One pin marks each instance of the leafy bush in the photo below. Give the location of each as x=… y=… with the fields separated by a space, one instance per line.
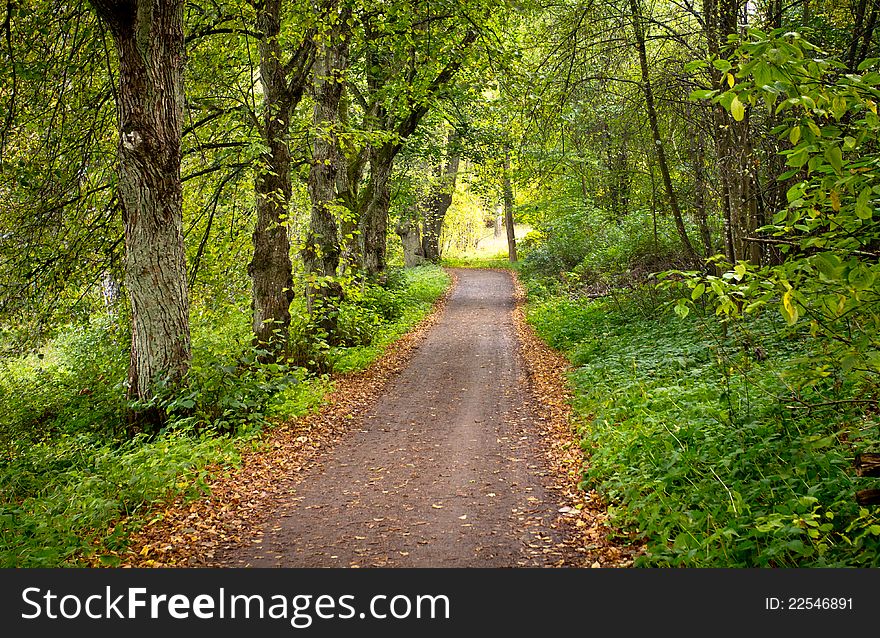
x=73 y=384
x=829 y=231
x=688 y=440
x=579 y=248
x=408 y=296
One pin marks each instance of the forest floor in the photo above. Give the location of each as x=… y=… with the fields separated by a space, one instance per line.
x=453 y=450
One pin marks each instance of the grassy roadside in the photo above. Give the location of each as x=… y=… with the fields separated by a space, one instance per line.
x=66 y=470
x=496 y=261
x=687 y=439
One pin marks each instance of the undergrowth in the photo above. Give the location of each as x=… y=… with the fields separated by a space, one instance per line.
x=69 y=466
x=704 y=444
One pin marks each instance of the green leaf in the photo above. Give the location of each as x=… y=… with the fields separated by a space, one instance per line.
x=861 y=277
x=838 y=107
x=863 y=204
x=835 y=158
x=698 y=291
x=795 y=192
x=702 y=94
x=795 y=134
x=798 y=158
x=828 y=265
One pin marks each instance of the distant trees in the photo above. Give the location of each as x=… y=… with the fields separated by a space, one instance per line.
x=611 y=111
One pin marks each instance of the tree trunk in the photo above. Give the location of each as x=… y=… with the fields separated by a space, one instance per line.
x=322 y=249
x=348 y=182
x=440 y=200
x=374 y=218
x=858 y=32
x=411 y=239
x=149 y=40
x=700 y=189
x=508 y=208
x=271 y=269
x=715 y=24
x=655 y=131
x=868 y=35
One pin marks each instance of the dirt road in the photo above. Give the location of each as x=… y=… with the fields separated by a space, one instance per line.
x=444 y=471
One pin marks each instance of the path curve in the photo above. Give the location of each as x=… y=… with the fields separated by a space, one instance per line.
x=445 y=470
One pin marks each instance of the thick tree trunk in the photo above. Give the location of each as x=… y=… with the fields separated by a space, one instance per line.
x=271 y=268
x=508 y=208
x=440 y=200
x=150 y=43
x=374 y=217
x=655 y=131
x=411 y=239
x=322 y=249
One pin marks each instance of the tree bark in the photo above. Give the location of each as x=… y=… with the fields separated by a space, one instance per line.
x=700 y=189
x=270 y=268
x=411 y=239
x=149 y=40
x=655 y=131
x=374 y=217
x=322 y=248
x=440 y=200
x=508 y=208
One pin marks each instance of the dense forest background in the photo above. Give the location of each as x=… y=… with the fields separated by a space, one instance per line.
x=209 y=207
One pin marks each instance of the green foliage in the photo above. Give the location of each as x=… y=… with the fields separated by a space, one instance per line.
x=72 y=384
x=481 y=262
x=69 y=469
x=577 y=245
x=829 y=231
x=688 y=439
x=382 y=314
x=61 y=497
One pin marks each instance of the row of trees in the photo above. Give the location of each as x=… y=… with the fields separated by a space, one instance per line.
x=620 y=113
x=157 y=147
x=309 y=101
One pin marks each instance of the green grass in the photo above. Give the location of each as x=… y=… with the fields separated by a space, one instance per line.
x=690 y=438
x=500 y=261
x=410 y=301
x=68 y=469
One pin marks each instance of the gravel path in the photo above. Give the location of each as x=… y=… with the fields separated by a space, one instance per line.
x=444 y=471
